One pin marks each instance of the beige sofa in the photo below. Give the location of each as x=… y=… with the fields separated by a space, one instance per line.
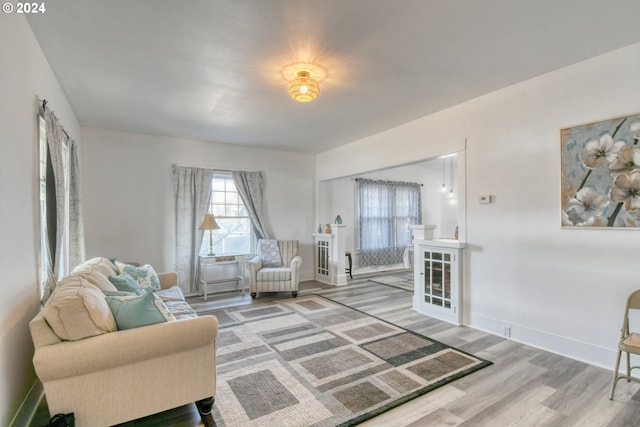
x=111 y=376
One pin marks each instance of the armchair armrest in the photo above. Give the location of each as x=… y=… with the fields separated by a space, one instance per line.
x=296 y=262
x=73 y=358
x=254 y=264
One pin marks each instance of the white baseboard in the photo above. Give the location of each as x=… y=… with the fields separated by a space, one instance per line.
x=575 y=349
x=29 y=406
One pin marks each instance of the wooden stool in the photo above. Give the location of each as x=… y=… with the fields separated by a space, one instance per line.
x=348 y=269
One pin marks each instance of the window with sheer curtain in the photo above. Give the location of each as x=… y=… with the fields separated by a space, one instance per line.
x=385 y=210
x=236 y=232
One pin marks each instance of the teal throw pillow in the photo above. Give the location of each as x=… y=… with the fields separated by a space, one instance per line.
x=145 y=275
x=125 y=282
x=119 y=294
x=270 y=253
x=139 y=310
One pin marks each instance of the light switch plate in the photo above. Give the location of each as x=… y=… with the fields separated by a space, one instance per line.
x=484 y=200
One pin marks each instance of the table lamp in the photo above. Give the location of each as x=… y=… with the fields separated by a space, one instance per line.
x=209 y=223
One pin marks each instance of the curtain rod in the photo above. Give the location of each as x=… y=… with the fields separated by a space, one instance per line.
x=386 y=180
x=213 y=168
x=44 y=106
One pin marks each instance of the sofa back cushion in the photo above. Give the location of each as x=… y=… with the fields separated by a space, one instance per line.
x=97 y=271
x=77 y=309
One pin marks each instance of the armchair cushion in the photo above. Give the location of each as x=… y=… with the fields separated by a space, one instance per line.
x=274 y=274
x=270 y=253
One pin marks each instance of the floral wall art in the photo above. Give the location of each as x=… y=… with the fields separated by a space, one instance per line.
x=601 y=173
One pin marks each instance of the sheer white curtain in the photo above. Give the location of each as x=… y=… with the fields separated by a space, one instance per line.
x=384 y=212
x=65 y=232
x=192 y=189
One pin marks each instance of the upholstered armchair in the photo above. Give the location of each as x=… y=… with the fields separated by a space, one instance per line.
x=276 y=268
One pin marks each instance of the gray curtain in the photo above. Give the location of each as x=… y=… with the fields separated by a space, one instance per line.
x=65 y=167
x=192 y=189
x=384 y=212
x=250 y=186
x=77 y=253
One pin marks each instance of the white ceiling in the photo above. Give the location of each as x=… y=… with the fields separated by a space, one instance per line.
x=213 y=69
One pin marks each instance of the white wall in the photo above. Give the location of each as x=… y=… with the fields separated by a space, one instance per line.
x=24 y=75
x=128 y=192
x=563 y=290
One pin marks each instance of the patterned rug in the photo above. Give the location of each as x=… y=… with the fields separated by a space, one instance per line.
x=311 y=361
x=402 y=280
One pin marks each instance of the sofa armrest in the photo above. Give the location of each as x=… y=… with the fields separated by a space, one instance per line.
x=167 y=280
x=102 y=352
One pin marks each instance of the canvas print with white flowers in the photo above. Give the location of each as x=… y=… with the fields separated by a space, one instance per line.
x=601 y=173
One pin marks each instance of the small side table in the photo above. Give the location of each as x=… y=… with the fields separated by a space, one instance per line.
x=218 y=269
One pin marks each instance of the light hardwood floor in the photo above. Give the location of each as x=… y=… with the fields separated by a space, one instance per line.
x=524 y=386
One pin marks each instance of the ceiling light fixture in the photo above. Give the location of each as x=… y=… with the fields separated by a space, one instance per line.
x=304 y=88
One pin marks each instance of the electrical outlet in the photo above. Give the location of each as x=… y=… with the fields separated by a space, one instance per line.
x=506 y=331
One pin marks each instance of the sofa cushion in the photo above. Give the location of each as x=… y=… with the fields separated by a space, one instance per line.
x=100 y=264
x=145 y=275
x=124 y=282
x=173 y=293
x=139 y=310
x=96 y=271
x=78 y=310
x=270 y=253
x=180 y=309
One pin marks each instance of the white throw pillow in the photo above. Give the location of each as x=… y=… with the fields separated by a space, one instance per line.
x=270 y=253
x=78 y=310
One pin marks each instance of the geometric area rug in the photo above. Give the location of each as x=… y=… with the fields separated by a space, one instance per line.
x=403 y=280
x=312 y=361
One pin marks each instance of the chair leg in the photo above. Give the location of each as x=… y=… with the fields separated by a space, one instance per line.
x=615 y=375
x=628 y=367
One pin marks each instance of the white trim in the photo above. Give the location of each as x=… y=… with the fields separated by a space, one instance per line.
x=596 y=355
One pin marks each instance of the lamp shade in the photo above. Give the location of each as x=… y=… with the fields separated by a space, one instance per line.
x=209 y=223
x=304 y=88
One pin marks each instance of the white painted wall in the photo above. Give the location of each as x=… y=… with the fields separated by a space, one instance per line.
x=128 y=192
x=24 y=75
x=562 y=290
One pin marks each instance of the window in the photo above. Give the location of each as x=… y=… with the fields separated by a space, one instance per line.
x=384 y=212
x=236 y=232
